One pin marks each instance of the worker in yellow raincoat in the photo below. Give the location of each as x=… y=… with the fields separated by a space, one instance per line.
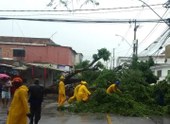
x=83 y=93
x=61 y=92
x=113 y=88
x=74 y=97
x=19 y=108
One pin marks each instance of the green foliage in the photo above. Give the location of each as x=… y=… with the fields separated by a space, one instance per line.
x=102 y=80
x=82 y=64
x=104 y=54
x=144 y=67
x=95 y=56
x=99 y=65
x=134 y=64
x=168 y=78
x=121 y=104
x=90 y=76
x=138 y=97
x=150 y=61
x=133 y=77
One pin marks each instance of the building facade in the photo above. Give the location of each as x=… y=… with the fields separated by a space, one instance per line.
x=37 y=53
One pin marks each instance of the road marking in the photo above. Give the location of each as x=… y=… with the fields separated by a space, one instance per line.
x=109 y=121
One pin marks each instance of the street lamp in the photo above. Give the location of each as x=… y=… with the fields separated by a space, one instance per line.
x=123 y=39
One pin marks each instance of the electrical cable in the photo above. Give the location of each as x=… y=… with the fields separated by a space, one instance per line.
x=137 y=16
x=74 y=10
x=88 y=20
x=153 y=11
x=163 y=41
x=78 y=10
x=152 y=30
x=19 y=28
x=75 y=13
x=153 y=45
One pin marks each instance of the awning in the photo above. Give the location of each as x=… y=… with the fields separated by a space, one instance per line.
x=48 y=66
x=23 y=67
x=6 y=65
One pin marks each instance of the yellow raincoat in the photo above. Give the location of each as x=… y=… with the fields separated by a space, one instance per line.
x=61 y=93
x=112 y=88
x=71 y=99
x=19 y=107
x=83 y=93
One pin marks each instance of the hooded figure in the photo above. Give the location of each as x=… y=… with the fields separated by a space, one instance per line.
x=61 y=92
x=19 y=108
x=113 y=88
x=83 y=93
x=13 y=88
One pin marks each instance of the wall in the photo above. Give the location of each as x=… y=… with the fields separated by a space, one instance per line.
x=46 y=54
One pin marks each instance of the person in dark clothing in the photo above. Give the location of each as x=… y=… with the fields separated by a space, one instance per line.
x=36 y=93
x=160 y=96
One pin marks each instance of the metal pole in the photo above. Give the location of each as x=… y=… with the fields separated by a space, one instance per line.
x=113 y=58
x=135 y=41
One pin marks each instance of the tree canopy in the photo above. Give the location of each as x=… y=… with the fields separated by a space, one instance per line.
x=138 y=97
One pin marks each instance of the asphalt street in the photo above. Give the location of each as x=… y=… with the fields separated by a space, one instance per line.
x=50 y=115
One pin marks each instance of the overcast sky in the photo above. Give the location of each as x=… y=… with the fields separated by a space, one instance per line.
x=86 y=38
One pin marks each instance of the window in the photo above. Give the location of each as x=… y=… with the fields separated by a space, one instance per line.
x=18 y=52
x=168 y=73
x=159 y=73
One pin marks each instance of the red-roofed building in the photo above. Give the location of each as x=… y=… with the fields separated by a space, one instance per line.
x=37 y=52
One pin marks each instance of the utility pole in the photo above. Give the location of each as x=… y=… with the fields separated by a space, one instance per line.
x=135 y=41
x=114 y=58
x=167 y=4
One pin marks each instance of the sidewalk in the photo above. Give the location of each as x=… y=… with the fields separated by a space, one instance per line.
x=3 y=115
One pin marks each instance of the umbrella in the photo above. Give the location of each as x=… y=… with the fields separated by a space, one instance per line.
x=3 y=76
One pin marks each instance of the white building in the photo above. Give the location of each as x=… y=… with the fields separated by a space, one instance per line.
x=159 y=51
x=78 y=58
x=161 y=70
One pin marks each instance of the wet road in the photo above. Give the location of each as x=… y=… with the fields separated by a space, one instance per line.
x=66 y=118
x=50 y=115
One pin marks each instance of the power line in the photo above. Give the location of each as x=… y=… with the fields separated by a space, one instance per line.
x=158 y=44
x=90 y=20
x=153 y=11
x=76 y=13
x=78 y=10
x=153 y=29
x=19 y=28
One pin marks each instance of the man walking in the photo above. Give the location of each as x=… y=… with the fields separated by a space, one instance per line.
x=36 y=93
